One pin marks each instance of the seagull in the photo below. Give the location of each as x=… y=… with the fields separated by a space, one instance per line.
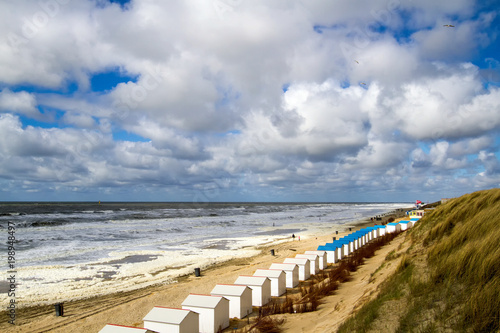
x=363 y=83
x=449 y=26
x=357 y=62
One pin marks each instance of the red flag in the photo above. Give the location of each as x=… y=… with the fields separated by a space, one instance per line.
x=418 y=202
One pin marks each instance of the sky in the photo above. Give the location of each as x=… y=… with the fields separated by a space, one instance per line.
x=248 y=100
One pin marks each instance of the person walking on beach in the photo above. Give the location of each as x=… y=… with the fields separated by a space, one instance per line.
x=293 y=236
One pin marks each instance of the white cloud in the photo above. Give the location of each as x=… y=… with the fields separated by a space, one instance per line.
x=21 y=102
x=456 y=44
x=209 y=95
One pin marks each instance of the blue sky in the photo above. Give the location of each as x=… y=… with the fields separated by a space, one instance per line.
x=238 y=100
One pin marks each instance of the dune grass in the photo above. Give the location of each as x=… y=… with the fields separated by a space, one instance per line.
x=456 y=287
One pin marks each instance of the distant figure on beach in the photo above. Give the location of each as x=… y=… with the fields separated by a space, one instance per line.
x=293 y=236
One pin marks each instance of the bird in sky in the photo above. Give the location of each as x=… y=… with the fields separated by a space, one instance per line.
x=449 y=26
x=363 y=83
x=357 y=62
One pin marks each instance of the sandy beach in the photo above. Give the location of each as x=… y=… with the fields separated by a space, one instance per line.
x=129 y=308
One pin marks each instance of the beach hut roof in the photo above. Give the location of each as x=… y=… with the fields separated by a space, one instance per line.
x=333 y=246
x=251 y=280
x=392 y=223
x=166 y=315
x=274 y=273
x=340 y=241
x=112 y=328
x=202 y=301
x=298 y=261
x=318 y=252
x=229 y=289
x=310 y=256
x=349 y=237
x=283 y=266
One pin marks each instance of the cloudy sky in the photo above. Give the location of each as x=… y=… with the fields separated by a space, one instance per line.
x=248 y=100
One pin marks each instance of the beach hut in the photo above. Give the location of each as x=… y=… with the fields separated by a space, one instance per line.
x=404 y=225
x=414 y=220
x=291 y=272
x=345 y=247
x=380 y=230
x=278 y=280
x=322 y=258
x=392 y=227
x=110 y=328
x=330 y=253
x=304 y=267
x=351 y=242
x=341 y=248
x=373 y=232
x=168 y=320
x=313 y=260
x=240 y=298
x=213 y=310
x=261 y=288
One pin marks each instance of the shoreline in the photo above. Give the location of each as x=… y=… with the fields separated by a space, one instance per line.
x=129 y=307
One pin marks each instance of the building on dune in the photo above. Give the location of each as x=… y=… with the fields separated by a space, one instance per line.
x=213 y=310
x=239 y=296
x=169 y=320
x=261 y=288
x=291 y=272
x=278 y=280
x=112 y=328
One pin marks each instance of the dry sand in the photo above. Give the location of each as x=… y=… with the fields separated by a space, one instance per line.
x=90 y=315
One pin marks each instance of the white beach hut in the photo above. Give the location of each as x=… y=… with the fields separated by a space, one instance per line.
x=291 y=271
x=168 y=320
x=313 y=261
x=333 y=252
x=380 y=230
x=111 y=328
x=261 y=288
x=404 y=225
x=392 y=227
x=352 y=245
x=344 y=252
x=239 y=296
x=332 y=256
x=278 y=280
x=322 y=258
x=213 y=310
x=304 y=267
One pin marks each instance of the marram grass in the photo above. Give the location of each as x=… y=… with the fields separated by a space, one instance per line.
x=457 y=288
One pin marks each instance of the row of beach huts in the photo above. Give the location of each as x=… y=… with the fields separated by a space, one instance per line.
x=211 y=313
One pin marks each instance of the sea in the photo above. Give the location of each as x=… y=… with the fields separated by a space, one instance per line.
x=73 y=250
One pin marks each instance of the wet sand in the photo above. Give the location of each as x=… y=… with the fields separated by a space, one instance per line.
x=129 y=308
